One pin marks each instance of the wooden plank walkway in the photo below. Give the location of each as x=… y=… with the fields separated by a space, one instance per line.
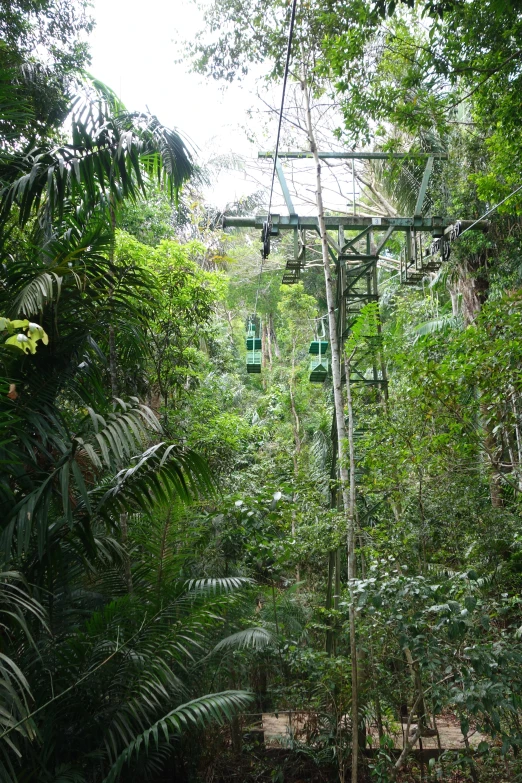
x=280 y=727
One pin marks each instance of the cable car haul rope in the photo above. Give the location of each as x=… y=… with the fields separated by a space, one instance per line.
x=254 y=356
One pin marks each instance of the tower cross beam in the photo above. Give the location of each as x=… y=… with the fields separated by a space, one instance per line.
x=351 y=222
x=349 y=155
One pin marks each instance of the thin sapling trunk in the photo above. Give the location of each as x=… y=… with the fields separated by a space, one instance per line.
x=348 y=506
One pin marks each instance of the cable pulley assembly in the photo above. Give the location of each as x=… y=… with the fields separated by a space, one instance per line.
x=265 y=239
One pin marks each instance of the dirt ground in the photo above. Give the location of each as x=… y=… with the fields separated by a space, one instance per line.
x=280 y=727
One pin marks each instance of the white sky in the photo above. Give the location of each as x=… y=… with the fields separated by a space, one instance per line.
x=134 y=48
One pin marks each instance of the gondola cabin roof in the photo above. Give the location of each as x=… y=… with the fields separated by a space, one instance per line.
x=253 y=343
x=318 y=347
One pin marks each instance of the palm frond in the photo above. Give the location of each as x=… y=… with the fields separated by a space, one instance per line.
x=441 y=324
x=199 y=713
x=106 y=160
x=257 y=638
x=55 y=464
x=43 y=289
x=164 y=155
x=215 y=585
x=161 y=472
x=116 y=437
x=16 y=605
x=399 y=182
x=68 y=774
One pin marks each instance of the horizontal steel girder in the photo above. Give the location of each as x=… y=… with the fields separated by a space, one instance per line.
x=351 y=223
x=358 y=155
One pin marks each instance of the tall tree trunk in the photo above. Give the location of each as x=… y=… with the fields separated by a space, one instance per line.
x=454 y=296
x=329 y=600
x=333 y=586
x=493 y=457
x=352 y=567
x=297 y=447
x=518 y=439
x=338 y=405
x=474 y=287
x=273 y=336
x=351 y=455
x=231 y=327
x=268 y=344
x=263 y=347
x=472 y=296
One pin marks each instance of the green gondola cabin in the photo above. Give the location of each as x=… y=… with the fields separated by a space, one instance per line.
x=319 y=362
x=253 y=346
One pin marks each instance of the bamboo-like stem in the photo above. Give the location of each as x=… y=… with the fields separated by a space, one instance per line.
x=124 y=518
x=333 y=587
x=350 y=544
x=518 y=438
x=113 y=362
x=297 y=446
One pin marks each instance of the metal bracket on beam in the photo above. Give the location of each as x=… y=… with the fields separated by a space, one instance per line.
x=351 y=242
x=424 y=186
x=284 y=187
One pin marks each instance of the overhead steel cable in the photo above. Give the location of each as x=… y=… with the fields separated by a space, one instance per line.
x=285 y=79
x=267 y=226
x=490 y=211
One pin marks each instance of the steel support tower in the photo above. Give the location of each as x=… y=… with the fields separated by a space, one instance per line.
x=426 y=245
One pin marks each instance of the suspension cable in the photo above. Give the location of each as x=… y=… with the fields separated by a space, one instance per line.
x=490 y=210
x=285 y=79
x=266 y=228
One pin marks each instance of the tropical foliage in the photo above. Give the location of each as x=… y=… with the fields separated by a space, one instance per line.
x=173 y=555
